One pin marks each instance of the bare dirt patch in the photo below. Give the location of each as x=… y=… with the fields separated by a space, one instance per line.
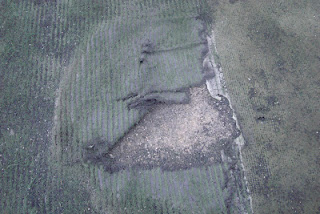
x=178 y=136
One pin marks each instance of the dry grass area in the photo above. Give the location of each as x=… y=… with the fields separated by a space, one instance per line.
x=269 y=52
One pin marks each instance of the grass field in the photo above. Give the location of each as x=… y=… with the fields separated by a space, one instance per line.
x=269 y=52
x=58 y=96
x=54 y=58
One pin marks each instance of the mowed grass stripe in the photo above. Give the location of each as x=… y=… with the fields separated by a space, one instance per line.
x=69 y=106
x=85 y=95
x=94 y=87
x=211 y=190
x=90 y=99
x=121 y=84
x=74 y=109
x=112 y=72
x=117 y=83
x=81 y=92
x=32 y=56
x=68 y=37
x=105 y=77
x=220 y=177
x=173 y=189
x=109 y=191
x=202 y=190
x=106 y=72
x=61 y=16
x=214 y=182
x=66 y=131
x=103 y=189
x=128 y=67
x=182 y=184
x=160 y=191
x=171 y=196
x=100 y=89
x=67 y=33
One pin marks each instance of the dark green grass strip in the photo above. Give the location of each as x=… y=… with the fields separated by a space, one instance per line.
x=219 y=177
x=216 y=191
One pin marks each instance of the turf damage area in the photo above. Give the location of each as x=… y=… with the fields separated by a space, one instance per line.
x=175 y=137
x=142 y=63
x=76 y=76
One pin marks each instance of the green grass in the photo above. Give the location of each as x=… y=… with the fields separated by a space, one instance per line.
x=271 y=47
x=45 y=46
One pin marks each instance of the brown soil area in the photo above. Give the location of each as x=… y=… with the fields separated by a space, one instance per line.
x=178 y=136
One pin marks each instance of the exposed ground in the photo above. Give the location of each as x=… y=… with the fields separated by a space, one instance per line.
x=175 y=137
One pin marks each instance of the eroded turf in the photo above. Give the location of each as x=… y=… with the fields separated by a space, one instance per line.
x=176 y=137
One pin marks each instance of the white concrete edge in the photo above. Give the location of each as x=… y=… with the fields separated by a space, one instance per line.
x=216 y=86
